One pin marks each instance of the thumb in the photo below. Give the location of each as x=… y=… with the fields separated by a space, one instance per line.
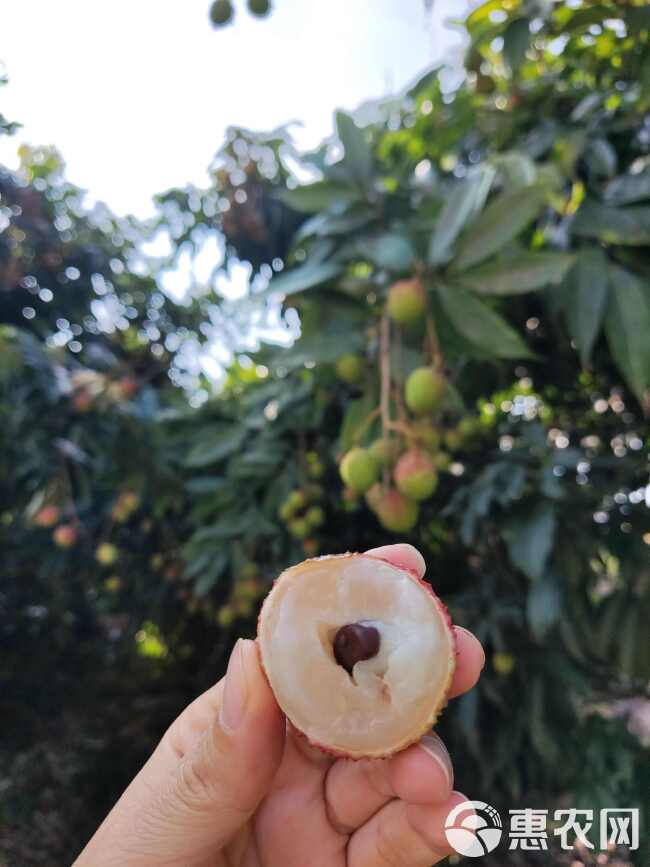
x=206 y=778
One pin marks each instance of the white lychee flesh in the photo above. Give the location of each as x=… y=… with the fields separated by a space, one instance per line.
x=388 y=701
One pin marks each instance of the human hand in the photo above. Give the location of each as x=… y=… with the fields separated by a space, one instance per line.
x=231 y=785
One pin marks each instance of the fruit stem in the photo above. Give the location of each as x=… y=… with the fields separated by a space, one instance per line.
x=384 y=358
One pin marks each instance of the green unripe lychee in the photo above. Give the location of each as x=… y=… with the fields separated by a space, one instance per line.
x=396 y=512
x=221 y=12
x=299 y=528
x=424 y=389
x=453 y=439
x=226 y=616
x=286 y=511
x=503 y=663
x=385 y=451
x=350 y=368
x=259 y=7
x=315 y=516
x=297 y=500
x=415 y=475
x=427 y=435
x=407 y=302
x=106 y=554
x=359 y=470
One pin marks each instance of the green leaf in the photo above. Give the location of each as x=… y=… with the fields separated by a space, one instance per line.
x=463 y=203
x=627 y=325
x=516 y=39
x=522 y=273
x=392 y=251
x=587 y=287
x=505 y=217
x=358 y=155
x=530 y=539
x=543 y=606
x=480 y=325
x=322 y=348
x=628 y=188
x=223 y=442
x=313 y=198
x=299 y=279
x=625 y=226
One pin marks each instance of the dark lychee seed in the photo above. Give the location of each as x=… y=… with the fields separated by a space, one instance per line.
x=355 y=642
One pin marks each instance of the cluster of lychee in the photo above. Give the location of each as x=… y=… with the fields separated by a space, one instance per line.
x=303 y=515
x=124 y=506
x=64 y=534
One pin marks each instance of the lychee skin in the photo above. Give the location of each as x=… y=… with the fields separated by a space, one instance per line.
x=415 y=475
x=438 y=703
x=359 y=470
x=350 y=368
x=424 y=390
x=397 y=512
x=407 y=302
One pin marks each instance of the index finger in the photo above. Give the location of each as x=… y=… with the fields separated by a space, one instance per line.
x=470 y=657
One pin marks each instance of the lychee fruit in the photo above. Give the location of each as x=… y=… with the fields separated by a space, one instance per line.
x=315 y=516
x=415 y=475
x=397 y=512
x=226 y=616
x=374 y=496
x=442 y=461
x=407 y=302
x=350 y=368
x=221 y=12
x=260 y=8
x=65 y=536
x=385 y=451
x=424 y=389
x=106 y=554
x=427 y=435
x=47 y=516
x=359 y=470
x=503 y=663
x=299 y=528
x=359 y=653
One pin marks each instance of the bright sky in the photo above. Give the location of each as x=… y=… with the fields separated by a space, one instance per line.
x=137 y=94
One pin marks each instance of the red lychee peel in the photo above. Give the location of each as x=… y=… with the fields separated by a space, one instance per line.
x=444 y=696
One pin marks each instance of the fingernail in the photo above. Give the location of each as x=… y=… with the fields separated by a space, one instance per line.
x=235 y=694
x=475 y=640
x=434 y=747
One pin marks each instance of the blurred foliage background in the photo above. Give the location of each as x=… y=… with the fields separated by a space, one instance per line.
x=495 y=239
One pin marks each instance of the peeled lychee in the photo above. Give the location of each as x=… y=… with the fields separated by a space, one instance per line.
x=349 y=368
x=359 y=470
x=415 y=475
x=397 y=512
x=424 y=389
x=407 y=302
x=359 y=653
